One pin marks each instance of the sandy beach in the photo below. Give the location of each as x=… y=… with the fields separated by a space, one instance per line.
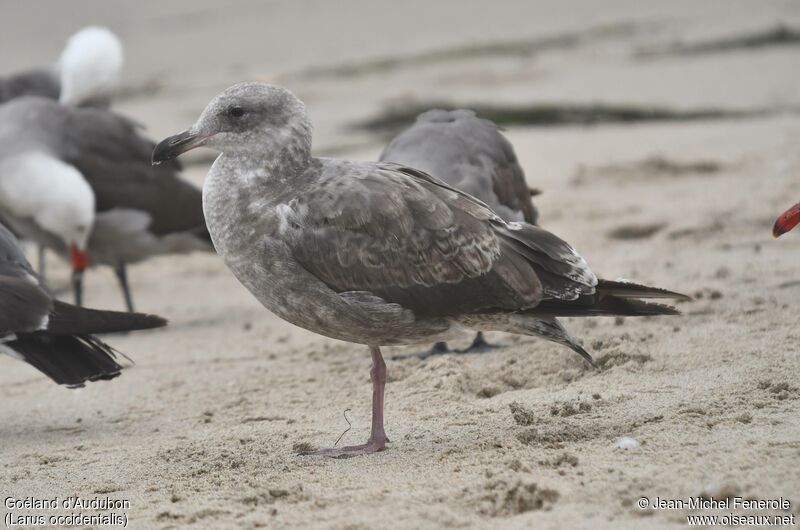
x=665 y=138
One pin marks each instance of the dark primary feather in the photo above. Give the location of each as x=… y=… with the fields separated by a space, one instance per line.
x=70 y=360
x=73 y=320
x=602 y=306
x=612 y=299
x=416 y=241
x=626 y=289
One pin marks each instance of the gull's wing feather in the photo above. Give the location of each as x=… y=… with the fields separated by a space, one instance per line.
x=413 y=240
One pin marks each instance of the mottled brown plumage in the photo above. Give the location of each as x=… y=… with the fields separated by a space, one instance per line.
x=470 y=154
x=449 y=253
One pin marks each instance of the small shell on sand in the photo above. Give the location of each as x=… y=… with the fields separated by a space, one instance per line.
x=626 y=442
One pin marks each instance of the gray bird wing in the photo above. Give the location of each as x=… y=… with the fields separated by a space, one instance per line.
x=43 y=83
x=24 y=301
x=413 y=240
x=114 y=158
x=470 y=154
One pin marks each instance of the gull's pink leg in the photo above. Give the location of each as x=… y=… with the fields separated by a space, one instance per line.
x=377 y=438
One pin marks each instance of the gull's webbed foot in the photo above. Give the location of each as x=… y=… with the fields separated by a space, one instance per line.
x=373 y=445
x=440 y=348
x=479 y=345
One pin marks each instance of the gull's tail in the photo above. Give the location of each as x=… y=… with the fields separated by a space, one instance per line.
x=68 y=353
x=70 y=360
x=68 y=319
x=612 y=298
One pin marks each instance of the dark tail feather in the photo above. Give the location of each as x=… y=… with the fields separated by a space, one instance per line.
x=67 y=319
x=608 y=305
x=634 y=290
x=68 y=360
x=611 y=299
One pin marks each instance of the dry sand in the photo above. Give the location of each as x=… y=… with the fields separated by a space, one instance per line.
x=202 y=430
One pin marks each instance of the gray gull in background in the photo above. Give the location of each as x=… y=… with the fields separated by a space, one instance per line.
x=378 y=253
x=52 y=336
x=470 y=154
x=79 y=181
x=87 y=73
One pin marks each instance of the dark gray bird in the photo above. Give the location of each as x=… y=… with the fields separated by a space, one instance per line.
x=470 y=154
x=54 y=337
x=378 y=253
x=79 y=181
x=86 y=74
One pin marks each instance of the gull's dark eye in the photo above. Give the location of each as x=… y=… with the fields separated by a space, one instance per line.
x=236 y=112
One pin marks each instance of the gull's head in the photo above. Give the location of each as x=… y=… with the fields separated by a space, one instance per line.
x=90 y=67
x=243 y=117
x=55 y=196
x=70 y=217
x=72 y=222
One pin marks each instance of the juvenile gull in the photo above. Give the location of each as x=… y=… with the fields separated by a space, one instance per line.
x=79 y=181
x=786 y=221
x=52 y=336
x=378 y=253
x=87 y=73
x=470 y=154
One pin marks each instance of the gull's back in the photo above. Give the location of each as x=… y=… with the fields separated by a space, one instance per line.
x=470 y=154
x=41 y=82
